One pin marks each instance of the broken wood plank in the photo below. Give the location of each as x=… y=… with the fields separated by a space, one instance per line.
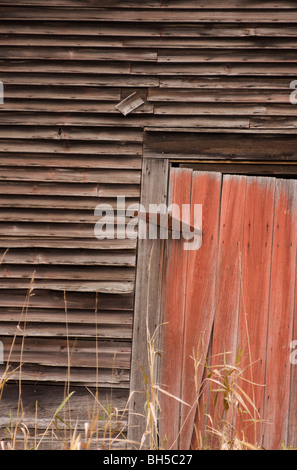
x=129 y=104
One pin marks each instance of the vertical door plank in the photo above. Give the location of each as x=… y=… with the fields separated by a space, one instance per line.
x=254 y=304
x=292 y=423
x=174 y=295
x=281 y=311
x=228 y=288
x=229 y=268
x=200 y=296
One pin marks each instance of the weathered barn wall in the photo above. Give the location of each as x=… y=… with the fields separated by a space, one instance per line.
x=64 y=148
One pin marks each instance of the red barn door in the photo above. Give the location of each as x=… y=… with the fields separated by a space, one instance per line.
x=233 y=297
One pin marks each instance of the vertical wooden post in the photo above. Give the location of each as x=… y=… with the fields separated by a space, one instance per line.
x=147 y=298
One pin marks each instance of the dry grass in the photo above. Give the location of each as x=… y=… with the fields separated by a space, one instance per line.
x=106 y=427
x=226 y=412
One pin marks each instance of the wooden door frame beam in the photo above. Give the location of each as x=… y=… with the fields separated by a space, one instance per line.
x=209 y=145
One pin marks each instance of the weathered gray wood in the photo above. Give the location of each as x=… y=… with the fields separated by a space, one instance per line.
x=67 y=257
x=45 y=317
x=71 y=133
x=64 y=243
x=103 y=287
x=150 y=15
x=71 y=175
x=72 y=300
x=147 y=296
x=73 y=353
x=87 y=377
x=51 y=202
x=69 y=190
x=83 y=273
x=162 y=4
x=67 y=79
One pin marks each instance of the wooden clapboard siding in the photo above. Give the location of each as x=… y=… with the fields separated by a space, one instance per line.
x=47 y=214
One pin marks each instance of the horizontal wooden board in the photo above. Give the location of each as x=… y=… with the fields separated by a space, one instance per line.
x=58 y=330
x=8 y=242
x=80 y=28
x=85 y=45
x=246 y=168
x=90 y=54
x=67 y=257
x=259 y=44
x=71 y=300
x=147 y=30
x=101 y=148
x=223 y=55
x=72 y=133
x=268 y=133
x=82 y=353
x=74 y=189
x=118 y=378
x=70 y=80
x=226 y=83
x=73 y=67
x=60 y=41
x=109 y=190
x=93 y=273
x=58 y=230
x=178 y=4
x=167 y=115
x=159 y=121
x=149 y=15
x=178 y=119
x=67 y=161
x=279 y=122
x=71 y=175
x=224 y=146
x=70 y=317
x=103 y=287
x=64 y=216
x=58 y=202
x=68 y=106
x=222 y=65
x=225 y=68
x=225 y=109
x=64 y=93
x=210 y=96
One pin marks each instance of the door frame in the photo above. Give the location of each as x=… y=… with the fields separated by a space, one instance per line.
x=150 y=253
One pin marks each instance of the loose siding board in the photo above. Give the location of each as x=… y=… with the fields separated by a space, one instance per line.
x=211 y=67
